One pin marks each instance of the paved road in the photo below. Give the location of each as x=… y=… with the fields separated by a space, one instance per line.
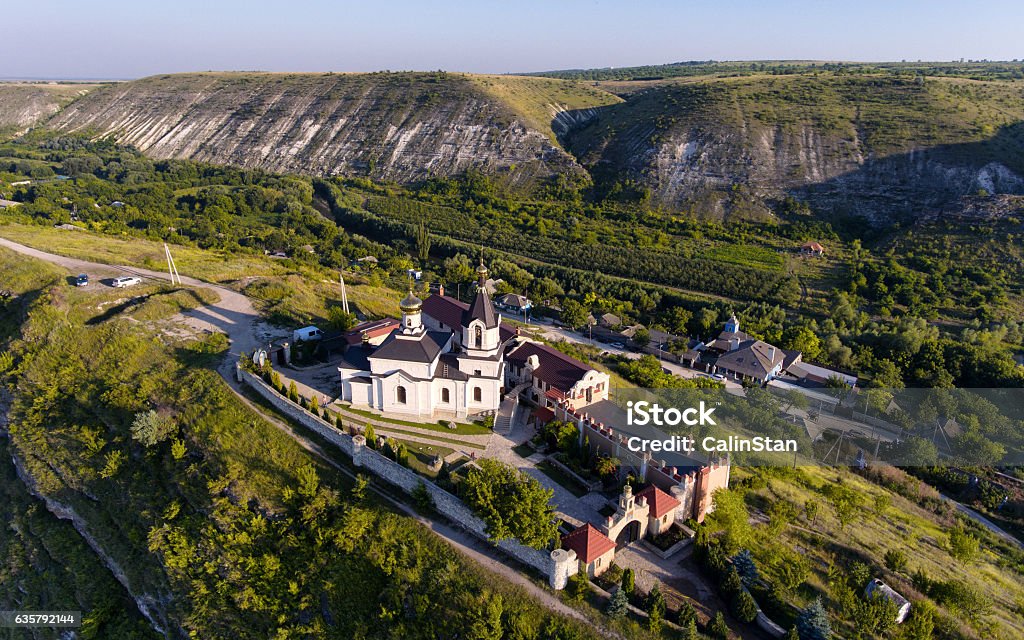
x=554 y=333
x=235 y=315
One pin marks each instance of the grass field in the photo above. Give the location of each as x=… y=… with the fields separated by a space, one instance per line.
x=904 y=526
x=537 y=99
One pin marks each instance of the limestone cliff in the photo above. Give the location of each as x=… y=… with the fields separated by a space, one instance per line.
x=24 y=104
x=871 y=146
x=391 y=126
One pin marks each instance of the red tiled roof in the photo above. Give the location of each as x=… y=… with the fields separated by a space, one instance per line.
x=588 y=543
x=659 y=501
x=543 y=414
x=371 y=329
x=449 y=312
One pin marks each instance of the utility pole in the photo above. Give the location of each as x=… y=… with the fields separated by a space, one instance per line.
x=344 y=293
x=172 y=269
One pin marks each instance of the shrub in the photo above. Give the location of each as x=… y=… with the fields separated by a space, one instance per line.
x=293 y=392
x=628 y=582
x=813 y=624
x=617 y=605
x=896 y=561
x=962 y=545
x=150 y=428
x=421 y=498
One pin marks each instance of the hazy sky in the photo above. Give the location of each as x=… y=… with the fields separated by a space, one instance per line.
x=124 y=39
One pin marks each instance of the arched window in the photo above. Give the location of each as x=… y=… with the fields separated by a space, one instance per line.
x=400 y=397
x=478 y=394
x=478 y=337
x=446 y=396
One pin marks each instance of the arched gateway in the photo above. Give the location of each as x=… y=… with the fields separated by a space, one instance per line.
x=629 y=522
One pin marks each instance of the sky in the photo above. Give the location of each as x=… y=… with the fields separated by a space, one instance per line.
x=129 y=39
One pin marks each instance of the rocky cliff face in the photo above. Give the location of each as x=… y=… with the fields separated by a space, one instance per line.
x=847 y=146
x=401 y=127
x=878 y=146
x=24 y=104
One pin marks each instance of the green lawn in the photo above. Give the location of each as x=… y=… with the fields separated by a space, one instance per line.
x=563 y=479
x=462 y=428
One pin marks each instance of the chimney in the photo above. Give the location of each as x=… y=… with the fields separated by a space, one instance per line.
x=440 y=289
x=734 y=344
x=771 y=354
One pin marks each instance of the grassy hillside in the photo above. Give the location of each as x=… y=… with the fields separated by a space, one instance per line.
x=540 y=100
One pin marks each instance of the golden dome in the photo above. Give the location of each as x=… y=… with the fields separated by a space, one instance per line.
x=410 y=304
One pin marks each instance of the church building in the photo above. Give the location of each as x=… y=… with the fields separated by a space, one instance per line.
x=432 y=367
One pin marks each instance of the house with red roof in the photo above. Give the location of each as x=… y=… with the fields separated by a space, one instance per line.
x=553 y=376
x=662 y=511
x=594 y=549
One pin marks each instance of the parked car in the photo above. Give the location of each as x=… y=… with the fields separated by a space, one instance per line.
x=617 y=345
x=719 y=377
x=82 y=280
x=126 y=281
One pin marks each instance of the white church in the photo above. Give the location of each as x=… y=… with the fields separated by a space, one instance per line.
x=429 y=367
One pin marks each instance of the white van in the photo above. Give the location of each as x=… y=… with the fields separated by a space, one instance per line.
x=126 y=281
x=306 y=334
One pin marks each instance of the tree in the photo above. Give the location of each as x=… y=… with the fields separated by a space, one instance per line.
x=458 y=269
x=360 y=488
x=690 y=630
x=677 y=320
x=421 y=498
x=545 y=289
x=606 y=467
x=744 y=607
x=149 y=428
x=686 y=614
x=293 y=392
x=340 y=320
x=573 y=314
x=845 y=502
x=962 y=545
x=308 y=480
x=487 y=623
x=718 y=628
x=920 y=624
x=112 y=463
x=655 y=608
x=792 y=634
x=882 y=503
x=370 y=435
x=314 y=406
x=642 y=337
x=580 y=584
x=618 y=604
x=628 y=581
x=731 y=516
x=812 y=623
x=422 y=242
x=745 y=567
x=802 y=338
x=513 y=505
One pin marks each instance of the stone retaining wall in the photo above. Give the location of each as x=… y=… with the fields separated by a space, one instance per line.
x=404 y=478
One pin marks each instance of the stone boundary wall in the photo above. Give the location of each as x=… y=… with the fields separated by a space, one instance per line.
x=297 y=413
x=362 y=456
